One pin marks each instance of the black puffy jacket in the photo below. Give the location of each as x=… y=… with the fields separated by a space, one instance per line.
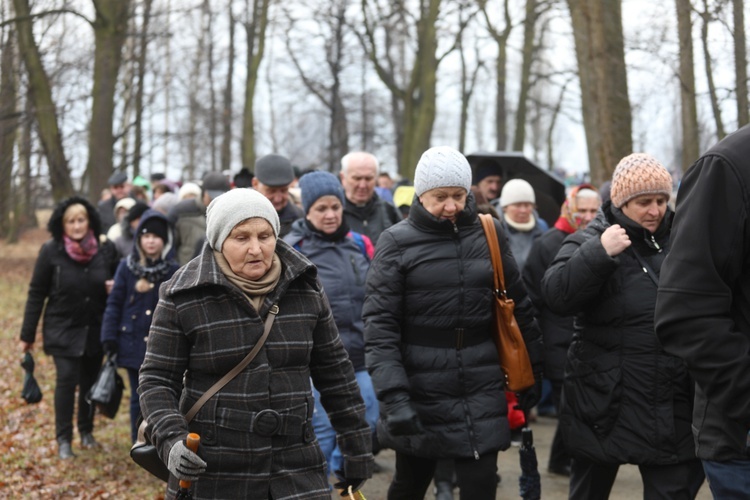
x=428 y=279
x=625 y=400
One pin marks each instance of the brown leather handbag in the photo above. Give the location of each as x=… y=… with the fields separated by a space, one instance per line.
x=511 y=348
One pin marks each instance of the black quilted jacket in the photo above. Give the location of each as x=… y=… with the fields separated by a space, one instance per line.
x=433 y=276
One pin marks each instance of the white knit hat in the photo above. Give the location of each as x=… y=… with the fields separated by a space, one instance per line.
x=230 y=208
x=442 y=166
x=517 y=191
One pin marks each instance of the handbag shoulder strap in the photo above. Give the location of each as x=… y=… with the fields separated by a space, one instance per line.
x=488 y=224
x=237 y=369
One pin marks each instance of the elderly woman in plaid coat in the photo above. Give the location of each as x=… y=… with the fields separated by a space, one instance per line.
x=257 y=440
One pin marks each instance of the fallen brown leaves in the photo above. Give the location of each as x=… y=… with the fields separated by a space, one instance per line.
x=28 y=451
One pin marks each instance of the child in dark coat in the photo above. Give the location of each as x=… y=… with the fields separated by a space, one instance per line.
x=131 y=304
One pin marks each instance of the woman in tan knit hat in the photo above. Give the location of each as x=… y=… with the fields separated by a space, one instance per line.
x=625 y=399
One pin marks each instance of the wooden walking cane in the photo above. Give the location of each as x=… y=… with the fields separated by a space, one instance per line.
x=192 y=442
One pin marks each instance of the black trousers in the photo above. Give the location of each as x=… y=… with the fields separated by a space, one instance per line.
x=558 y=453
x=593 y=481
x=476 y=479
x=78 y=371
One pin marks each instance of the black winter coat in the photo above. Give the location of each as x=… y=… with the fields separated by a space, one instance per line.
x=74 y=293
x=703 y=309
x=557 y=329
x=372 y=219
x=625 y=400
x=430 y=278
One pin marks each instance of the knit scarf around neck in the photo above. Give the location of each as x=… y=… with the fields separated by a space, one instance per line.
x=523 y=227
x=153 y=271
x=255 y=291
x=81 y=251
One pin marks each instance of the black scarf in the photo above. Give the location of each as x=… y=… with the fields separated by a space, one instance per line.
x=337 y=235
x=152 y=271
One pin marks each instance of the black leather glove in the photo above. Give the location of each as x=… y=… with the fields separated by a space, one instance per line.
x=110 y=347
x=531 y=396
x=401 y=419
x=345 y=482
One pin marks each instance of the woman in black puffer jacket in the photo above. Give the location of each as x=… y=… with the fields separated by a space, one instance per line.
x=428 y=340
x=70 y=284
x=624 y=400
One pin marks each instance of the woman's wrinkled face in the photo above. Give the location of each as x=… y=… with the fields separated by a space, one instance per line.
x=326 y=214
x=519 y=212
x=249 y=248
x=444 y=202
x=647 y=210
x=76 y=222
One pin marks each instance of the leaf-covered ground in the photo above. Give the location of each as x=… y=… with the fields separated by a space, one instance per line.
x=28 y=451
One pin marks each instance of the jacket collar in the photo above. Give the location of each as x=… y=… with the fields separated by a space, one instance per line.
x=204 y=271
x=420 y=218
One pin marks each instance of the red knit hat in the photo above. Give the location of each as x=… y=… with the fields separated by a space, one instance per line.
x=638 y=174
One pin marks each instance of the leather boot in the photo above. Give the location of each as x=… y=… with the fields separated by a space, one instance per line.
x=65 y=450
x=88 y=441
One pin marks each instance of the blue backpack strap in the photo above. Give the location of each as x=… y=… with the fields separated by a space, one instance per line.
x=360 y=241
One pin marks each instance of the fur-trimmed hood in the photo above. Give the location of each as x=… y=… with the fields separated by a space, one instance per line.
x=55 y=224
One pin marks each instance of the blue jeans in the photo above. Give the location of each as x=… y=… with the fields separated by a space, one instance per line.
x=728 y=480
x=324 y=430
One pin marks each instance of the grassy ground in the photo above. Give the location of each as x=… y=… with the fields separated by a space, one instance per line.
x=28 y=451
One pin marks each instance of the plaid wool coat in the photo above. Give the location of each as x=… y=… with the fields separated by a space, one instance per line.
x=203 y=326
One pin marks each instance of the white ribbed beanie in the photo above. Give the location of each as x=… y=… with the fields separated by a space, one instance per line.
x=517 y=191
x=442 y=166
x=230 y=208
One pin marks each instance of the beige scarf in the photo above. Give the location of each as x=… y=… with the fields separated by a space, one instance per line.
x=255 y=291
x=523 y=227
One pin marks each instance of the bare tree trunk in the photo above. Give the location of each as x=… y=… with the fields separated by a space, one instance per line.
x=529 y=25
x=194 y=106
x=706 y=16
x=468 y=83
x=212 y=124
x=226 y=112
x=256 y=41
x=127 y=95
x=141 y=85
x=416 y=96
x=329 y=95
x=45 y=112
x=110 y=30
x=687 y=84
x=740 y=62
x=501 y=39
x=597 y=29
x=8 y=126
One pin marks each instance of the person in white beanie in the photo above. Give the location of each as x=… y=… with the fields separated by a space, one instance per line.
x=257 y=439
x=522 y=224
x=428 y=335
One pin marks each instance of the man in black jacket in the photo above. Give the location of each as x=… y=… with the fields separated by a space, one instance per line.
x=703 y=307
x=364 y=211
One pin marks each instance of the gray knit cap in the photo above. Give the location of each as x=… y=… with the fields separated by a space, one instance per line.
x=442 y=166
x=229 y=209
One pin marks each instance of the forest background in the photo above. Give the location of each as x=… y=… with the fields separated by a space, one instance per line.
x=184 y=87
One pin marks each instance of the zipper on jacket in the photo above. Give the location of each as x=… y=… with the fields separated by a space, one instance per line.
x=469 y=422
x=656 y=245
